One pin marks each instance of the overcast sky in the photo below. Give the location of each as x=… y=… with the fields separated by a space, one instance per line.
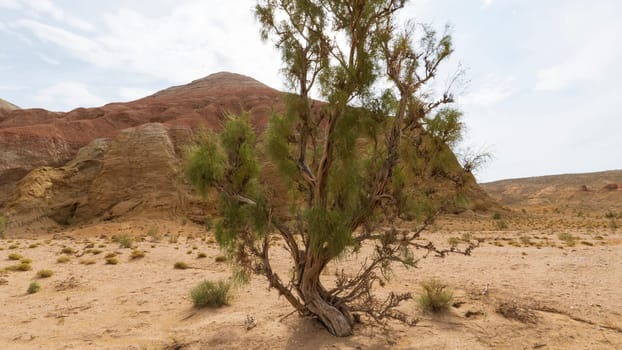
x=544 y=93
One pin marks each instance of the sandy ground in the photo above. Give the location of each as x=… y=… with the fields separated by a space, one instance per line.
x=572 y=293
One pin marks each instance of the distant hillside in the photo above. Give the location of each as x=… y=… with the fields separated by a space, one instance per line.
x=7 y=106
x=599 y=191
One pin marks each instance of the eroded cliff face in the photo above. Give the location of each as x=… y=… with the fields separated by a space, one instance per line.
x=51 y=196
x=139 y=170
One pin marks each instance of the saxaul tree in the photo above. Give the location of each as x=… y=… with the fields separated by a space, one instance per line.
x=358 y=163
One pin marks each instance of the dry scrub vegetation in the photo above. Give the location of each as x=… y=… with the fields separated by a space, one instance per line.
x=521 y=288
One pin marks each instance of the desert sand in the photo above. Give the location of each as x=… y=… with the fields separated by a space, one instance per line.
x=554 y=295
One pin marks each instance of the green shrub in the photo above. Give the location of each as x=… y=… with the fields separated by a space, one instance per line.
x=25 y=260
x=112 y=261
x=44 y=273
x=201 y=255
x=212 y=294
x=110 y=255
x=33 y=288
x=496 y=216
x=435 y=296
x=220 y=258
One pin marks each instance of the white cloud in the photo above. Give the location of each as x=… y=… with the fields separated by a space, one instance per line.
x=75 y=43
x=47 y=59
x=195 y=39
x=11 y=4
x=134 y=93
x=487 y=3
x=493 y=91
x=588 y=54
x=47 y=7
x=68 y=95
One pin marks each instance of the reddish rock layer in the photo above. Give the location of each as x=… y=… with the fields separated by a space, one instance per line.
x=32 y=138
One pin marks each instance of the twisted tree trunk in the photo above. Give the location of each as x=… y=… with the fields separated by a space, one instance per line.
x=338 y=321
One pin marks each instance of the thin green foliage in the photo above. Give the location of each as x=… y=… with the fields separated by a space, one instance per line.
x=211 y=294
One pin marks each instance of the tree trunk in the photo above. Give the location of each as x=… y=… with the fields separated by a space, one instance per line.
x=338 y=322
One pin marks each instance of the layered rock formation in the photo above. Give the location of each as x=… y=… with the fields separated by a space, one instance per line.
x=32 y=138
x=123 y=158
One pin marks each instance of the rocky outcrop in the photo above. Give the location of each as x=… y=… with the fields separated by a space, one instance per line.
x=48 y=195
x=138 y=170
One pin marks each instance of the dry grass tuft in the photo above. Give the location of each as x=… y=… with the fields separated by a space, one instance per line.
x=435 y=297
x=44 y=273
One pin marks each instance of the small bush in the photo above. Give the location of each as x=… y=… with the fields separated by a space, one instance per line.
x=87 y=261
x=137 y=254
x=453 y=241
x=501 y=224
x=45 y=273
x=567 y=238
x=33 y=288
x=112 y=261
x=125 y=241
x=67 y=250
x=110 y=255
x=181 y=265
x=220 y=258
x=496 y=216
x=96 y=251
x=25 y=260
x=19 y=267
x=154 y=234
x=15 y=256
x=201 y=255
x=63 y=259
x=435 y=296
x=212 y=294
